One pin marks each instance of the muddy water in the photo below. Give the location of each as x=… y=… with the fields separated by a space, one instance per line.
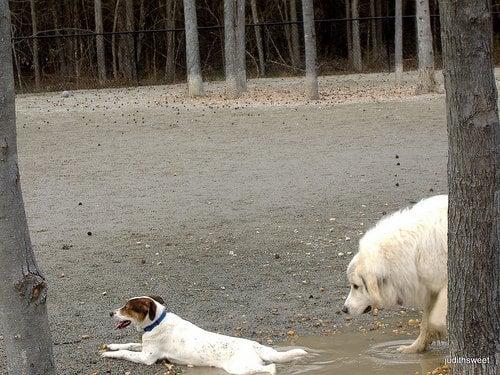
x=354 y=353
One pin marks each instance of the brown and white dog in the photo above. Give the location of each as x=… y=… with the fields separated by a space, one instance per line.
x=167 y=336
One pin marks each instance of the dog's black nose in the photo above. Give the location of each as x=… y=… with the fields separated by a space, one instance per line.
x=111 y=313
x=345 y=310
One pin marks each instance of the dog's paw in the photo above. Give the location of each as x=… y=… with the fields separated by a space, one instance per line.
x=410 y=349
x=106 y=354
x=113 y=347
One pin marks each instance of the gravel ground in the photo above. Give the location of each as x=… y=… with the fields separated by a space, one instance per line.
x=242 y=214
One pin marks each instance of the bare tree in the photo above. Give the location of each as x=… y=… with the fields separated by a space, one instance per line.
x=348 y=31
x=36 y=59
x=241 y=65
x=427 y=82
x=99 y=29
x=357 y=59
x=310 y=47
x=474 y=185
x=170 y=63
x=230 y=50
x=129 y=22
x=23 y=290
x=295 y=34
x=195 y=81
x=373 y=28
x=113 y=40
x=398 y=40
x=258 y=37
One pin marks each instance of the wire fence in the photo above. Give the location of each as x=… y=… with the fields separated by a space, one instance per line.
x=67 y=59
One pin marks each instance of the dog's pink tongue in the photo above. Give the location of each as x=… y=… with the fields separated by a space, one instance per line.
x=121 y=325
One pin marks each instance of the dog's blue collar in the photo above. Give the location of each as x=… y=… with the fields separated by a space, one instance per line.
x=156 y=323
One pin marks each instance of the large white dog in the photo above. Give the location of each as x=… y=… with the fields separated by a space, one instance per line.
x=167 y=336
x=402 y=261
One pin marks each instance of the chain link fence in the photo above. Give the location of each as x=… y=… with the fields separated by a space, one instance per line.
x=68 y=60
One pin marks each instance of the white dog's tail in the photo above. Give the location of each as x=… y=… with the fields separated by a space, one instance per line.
x=270 y=355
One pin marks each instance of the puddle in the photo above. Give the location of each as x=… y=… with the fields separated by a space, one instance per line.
x=354 y=353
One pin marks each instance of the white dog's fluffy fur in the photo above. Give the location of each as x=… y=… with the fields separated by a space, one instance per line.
x=402 y=261
x=167 y=336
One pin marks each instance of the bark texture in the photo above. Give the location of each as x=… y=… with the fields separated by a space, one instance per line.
x=474 y=185
x=258 y=37
x=427 y=81
x=23 y=290
x=241 y=61
x=348 y=31
x=195 y=81
x=398 y=40
x=295 y=34
x=357 y=58
x=310 y=47
x=36 y=59
x=101 y=64
x=230 y=50
x=170 y=61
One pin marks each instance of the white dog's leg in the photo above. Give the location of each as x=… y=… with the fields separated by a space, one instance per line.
x=425 y=336
x=130 y=346
x=437 y=317
x=137 y=357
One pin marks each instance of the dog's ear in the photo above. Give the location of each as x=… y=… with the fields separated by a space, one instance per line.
x=374 y=284
x=158 y=299
x=152 y=310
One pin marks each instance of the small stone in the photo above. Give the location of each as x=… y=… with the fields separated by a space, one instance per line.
x=85 y=337
x=89 y=233
x=104 y=293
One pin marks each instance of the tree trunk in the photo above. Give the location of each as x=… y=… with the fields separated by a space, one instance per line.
x=373 y=28
x=36 y=60
x=170 y=63
x=348 y=31
x=427 y=82
x=295 y=34
x=357 y=59
x=129 y=55
x=113 y=40
x=230 y=50
x=310 y=47
x=398 y=40
x=23 y=291
x=241 y=62
x=99 y=29
x=195 y=81
x=142 y=26
x=258 y=37
x=474 y=185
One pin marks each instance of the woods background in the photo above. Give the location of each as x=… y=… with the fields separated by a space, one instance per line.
x=56 y=41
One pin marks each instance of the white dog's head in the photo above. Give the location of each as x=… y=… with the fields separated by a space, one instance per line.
x=370 y=284
x=138 y=311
